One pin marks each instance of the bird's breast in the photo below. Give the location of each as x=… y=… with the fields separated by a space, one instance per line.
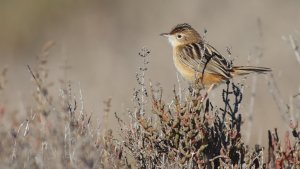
x=186 y=71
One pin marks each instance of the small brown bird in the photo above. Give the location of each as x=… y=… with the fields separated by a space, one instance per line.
x=195 y=59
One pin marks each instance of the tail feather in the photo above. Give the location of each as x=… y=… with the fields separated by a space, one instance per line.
x=244 y=70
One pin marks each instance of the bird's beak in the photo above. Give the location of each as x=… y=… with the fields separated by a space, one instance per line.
x=165 y=34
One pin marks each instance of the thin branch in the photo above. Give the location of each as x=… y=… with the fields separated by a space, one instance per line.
x=295 y=47
x=277 y=97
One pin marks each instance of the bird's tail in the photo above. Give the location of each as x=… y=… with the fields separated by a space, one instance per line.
x=244 y=70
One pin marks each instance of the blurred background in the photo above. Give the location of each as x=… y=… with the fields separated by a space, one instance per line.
x=99 y=40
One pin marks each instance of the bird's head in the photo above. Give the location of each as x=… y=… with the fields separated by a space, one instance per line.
x=182 y=34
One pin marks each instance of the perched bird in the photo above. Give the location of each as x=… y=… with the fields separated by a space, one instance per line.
x=199 y=62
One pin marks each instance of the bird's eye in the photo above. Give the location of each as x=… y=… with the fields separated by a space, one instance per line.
x=179 y=36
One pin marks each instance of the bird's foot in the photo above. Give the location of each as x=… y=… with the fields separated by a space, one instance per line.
x=207 y=92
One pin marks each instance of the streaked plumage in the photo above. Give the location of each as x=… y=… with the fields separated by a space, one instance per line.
x=194 y=58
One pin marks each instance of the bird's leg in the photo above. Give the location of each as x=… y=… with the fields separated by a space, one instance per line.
x=194 y=90
x=207 y=92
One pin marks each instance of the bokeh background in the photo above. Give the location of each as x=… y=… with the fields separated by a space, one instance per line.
x=99 y=40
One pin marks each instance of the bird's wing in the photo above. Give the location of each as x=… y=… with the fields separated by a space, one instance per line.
x=205 y=58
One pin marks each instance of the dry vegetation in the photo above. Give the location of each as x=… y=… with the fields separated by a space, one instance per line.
x=189 y=132
x=57 y=135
